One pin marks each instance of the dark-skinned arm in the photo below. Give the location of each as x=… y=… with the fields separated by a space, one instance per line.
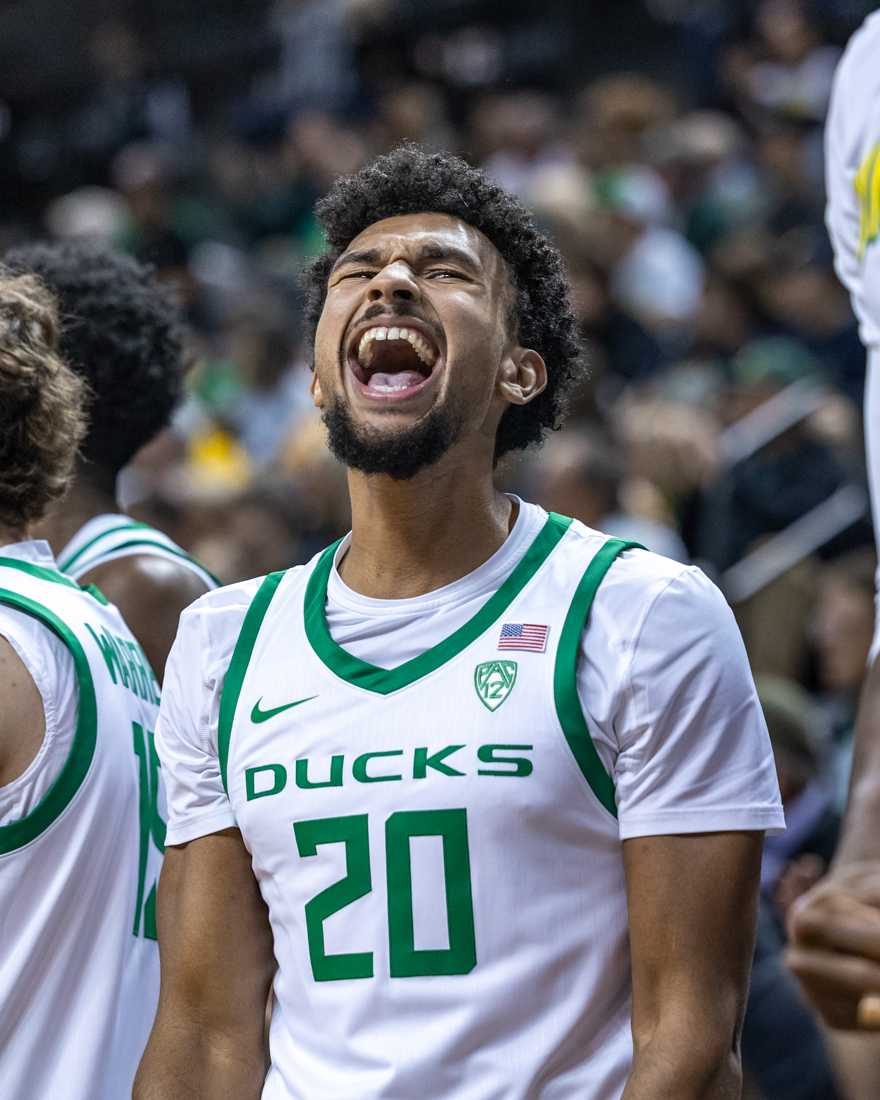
x=692 y=912
x=835 y=928
x=215 y=945
x=150 y=592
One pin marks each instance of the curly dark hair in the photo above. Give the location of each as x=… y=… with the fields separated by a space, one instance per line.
x=121 y=333
x=41 y=404
x=414 y=180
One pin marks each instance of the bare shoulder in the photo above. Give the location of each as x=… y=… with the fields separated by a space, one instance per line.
x=22 y=722
x=146 y=582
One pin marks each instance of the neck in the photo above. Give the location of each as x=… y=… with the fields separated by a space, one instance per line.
x=410 y=537
x=9 y=535
x=87 y=498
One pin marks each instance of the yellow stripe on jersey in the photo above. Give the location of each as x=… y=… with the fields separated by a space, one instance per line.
x=867 y=185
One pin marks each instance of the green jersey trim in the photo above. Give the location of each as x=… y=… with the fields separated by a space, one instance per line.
x=59 y=796
x=133 y=525
x=156 y=545
x=238 y=664
x=39 y=571
x=565 y=693
x=45 y=574
x=145 y=536
x=383 y=681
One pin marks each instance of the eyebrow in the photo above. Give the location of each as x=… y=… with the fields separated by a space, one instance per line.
x=365 y=256
x=430 y=251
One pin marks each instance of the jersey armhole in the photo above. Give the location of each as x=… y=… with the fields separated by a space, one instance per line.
x=565 y=693
x=62 y=791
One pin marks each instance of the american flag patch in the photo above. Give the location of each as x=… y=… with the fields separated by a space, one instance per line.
x=528 y=636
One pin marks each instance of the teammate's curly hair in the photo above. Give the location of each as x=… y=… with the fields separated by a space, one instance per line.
x=413 y=180
x=120 y=331
x=42 y=421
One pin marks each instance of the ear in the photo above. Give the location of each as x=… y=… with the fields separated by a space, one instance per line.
x=523 y=375
x=315 y=390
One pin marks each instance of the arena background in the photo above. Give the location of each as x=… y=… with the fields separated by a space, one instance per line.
x=674 y=150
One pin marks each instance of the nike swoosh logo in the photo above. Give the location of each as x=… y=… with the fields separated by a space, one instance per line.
x=258 y=715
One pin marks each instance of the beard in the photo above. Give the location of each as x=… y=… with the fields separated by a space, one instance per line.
x=399 y=454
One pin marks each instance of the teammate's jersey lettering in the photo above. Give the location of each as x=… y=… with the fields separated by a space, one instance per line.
x=405 y=959
x=867 y=185
x=126 y=662
x=264 y=780
x=152 y=828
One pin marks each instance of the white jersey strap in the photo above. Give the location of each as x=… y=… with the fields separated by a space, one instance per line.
x=565 y=693
x=238 y=664
x=108 y=538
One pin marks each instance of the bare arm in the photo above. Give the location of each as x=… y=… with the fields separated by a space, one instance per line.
x=150 y=592
x=835 y=928
x=861 y=831
x=692 y=912
x=22 y=722
x=215 y=946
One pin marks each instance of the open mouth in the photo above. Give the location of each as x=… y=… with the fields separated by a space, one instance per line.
x=391 y=362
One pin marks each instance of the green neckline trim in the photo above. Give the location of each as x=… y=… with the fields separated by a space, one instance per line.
x=131 y=525
x=58 y=797
x=386 y=680
x=238 y=664
x=43 y=573
x=40 y=571
x=565 y=693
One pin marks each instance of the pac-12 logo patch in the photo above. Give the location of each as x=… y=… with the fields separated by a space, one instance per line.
x=494 y=681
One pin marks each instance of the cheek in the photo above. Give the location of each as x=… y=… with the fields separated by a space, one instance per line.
x=475 y=341
x=327 y=336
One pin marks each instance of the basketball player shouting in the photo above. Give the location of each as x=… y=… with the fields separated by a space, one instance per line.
x=488 y=786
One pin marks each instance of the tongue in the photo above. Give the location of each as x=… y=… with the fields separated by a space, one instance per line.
x=389 y=383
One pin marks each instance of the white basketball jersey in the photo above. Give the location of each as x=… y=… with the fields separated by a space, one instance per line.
x=852 y=148
x=437 y=845
x=78 y=956
x=110 y=537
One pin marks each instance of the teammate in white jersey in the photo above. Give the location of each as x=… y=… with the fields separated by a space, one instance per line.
x=836 y=928
x=488 y=786
x=80 y=836
x=121 y=334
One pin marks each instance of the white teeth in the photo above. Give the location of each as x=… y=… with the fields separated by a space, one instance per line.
x=389 y=389
x=422 y=348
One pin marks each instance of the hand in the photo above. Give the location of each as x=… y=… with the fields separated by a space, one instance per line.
x=835 y=946
x=799 y=876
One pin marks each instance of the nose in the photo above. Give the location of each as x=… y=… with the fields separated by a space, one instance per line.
x=395 y=282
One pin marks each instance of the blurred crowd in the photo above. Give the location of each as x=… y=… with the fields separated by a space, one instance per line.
x=722 y=419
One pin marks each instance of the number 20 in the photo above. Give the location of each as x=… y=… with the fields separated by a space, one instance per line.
x=405 y=961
